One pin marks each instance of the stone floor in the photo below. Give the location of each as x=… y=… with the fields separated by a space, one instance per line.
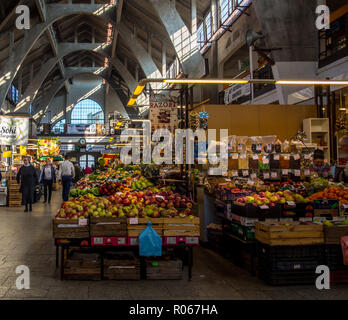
x=26 y=239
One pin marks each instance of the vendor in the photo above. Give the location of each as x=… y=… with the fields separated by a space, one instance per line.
x=318 y=166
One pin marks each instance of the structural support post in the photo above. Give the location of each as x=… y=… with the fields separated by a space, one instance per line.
x=164 y=60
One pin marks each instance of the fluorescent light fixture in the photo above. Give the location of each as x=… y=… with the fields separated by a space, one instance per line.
x=207 y=81
x=312 y=82
x=138 y=90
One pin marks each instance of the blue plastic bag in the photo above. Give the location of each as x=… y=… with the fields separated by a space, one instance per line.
x=150 y=243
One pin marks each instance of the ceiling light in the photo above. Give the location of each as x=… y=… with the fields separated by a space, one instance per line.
x=312 y=82
x=206 y=81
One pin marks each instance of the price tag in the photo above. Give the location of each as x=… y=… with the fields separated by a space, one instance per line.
x=345 y=206
x=243 y=155
x=264 y=207
x=235 y=156
x=98 y=240
x=228 y=180
x=234 y=173
x=191 y=240
x=274 y=174
x=255 y=157
x=285 y=172
x=133 y=221
x=171 y=240
x=297 y=157
x=297 y=173
x=286 y=219
x=133 y=241
x=291 y=203
x=266 y=175
x=338 y=218
x=253 y=176
x=265 y=160
x=121 y=241
x=276 y=157
x=251 y=182
x=307 y=172
x=83 y=222
x=225 y=174
x=306 y=219
x=245 y=173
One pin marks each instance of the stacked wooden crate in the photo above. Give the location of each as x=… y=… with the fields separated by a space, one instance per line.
x=181 y=227
x=164 y=269
x=108 y=227
x=137 y=225
x=121 y=266
x=14 y=196
x=64 y=228
x=82 y=266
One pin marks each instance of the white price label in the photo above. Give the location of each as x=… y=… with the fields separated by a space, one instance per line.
x=306 y=219
x=266 y=175
x=228 y=180
x=133 y=241
x=264 y=207
x=234 y=173
x=253 y=176
x=307 y=172
x=121 y=241
x=265 y=160
x=291 y=203
x=192 y=240
x=243 y=155
x=133 y=221
x=251 y=182
x=285 y=172
x=286 y=219
x=171 y=240
x=255 y=157
x=83 y=222
x=98 y=240
x=297 y=173
x=274 y=174
x=297 y=157
x=234 y=156
x=276 y=157
x=245 y=173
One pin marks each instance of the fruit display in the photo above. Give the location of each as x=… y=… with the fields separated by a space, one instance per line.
x=332 y=193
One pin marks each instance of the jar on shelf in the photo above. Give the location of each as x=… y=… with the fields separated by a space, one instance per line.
x=275 y=161
x=233 y=161
x=243 y=162
x=253 y=162
x=285 y=161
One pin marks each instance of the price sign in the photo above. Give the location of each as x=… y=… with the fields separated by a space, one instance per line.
x=307 y=172
x=234 y=173
x=83 y=222
x=285 y=172
x=276 y=157
x=274 y=174
x=121 y=241
x=245 y=173
x=266 y=175
x=98 y=240
x=297 y=173
x=243 y=155
x=297 y=157
x=265 y=160
x=255 y=157
x=133 y=241
x=192 y=240
x=133 y=221
x=235 y=156
x=253 y=176
x=291 y=203
x=251 y=182
x=306 y=219
x=264 y=207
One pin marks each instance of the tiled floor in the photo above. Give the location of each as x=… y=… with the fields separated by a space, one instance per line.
x=26 y=239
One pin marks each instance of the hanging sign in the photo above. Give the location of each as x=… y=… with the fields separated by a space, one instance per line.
x=23 y=150
x=164 y=115
x=14 y=131
x=7 y=154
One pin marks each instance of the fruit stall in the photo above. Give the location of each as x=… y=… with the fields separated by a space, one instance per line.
x=98 y=229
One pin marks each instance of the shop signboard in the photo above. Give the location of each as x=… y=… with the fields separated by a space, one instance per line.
x=67 y=147
x=95 y=148
x=164 y=115
x=81 y=129
x=237 y=91
x=14 y=131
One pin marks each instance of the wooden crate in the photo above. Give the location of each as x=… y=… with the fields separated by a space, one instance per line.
x=334 y=234
x=181 y=227
x=121 y=266
x=164 y=270
x=69 y=229
x=108 y=227
x=82 y=266
x=288 y=234
x=134 y=230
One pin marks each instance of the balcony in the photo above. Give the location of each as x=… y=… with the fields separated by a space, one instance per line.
x=333 y=42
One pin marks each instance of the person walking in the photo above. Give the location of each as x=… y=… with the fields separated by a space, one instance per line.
x=28 y=179
x=66 y=175
x=47 y=178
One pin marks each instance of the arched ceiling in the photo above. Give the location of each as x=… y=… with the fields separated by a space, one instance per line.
x=138 y=16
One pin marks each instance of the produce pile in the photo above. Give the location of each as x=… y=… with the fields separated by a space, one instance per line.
x=332 y=193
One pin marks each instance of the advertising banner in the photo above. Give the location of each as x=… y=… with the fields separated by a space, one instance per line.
x=48 y=147
x=163 y=115
x=14 y=131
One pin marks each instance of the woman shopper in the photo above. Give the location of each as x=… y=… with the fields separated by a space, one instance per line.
x=28 y=178
x=47 y=178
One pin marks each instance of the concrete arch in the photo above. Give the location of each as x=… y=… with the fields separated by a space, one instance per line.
x=55 y=12
x=65 y=49
x=71 y=72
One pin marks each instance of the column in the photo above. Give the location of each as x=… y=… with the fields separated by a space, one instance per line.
x=164 y=60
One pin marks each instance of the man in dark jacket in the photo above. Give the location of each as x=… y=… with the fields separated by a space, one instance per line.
x=28 y=178
x=48 y=177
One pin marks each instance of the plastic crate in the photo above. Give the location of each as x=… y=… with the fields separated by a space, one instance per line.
x=248 y=210
x=300 y=210
x=243 y=232
x=334 y=257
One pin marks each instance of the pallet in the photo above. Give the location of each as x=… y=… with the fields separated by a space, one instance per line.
x=69 y=229
x=108 y=227
x=334 y=234
x=288 y=234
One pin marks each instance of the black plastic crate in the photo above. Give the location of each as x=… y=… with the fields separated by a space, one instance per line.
x=288 y=278
x=265 y=251
x=248 y=210
x=299 y=211
x=334 y=257
x=290 y=265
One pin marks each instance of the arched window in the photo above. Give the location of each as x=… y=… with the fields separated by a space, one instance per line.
x=87 y=112
x=59 y=127
x=86 y=161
